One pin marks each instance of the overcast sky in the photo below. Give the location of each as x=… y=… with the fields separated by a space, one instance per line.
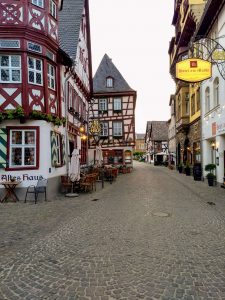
x=136 y=35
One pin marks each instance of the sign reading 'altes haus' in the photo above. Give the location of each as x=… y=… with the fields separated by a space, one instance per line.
x=193 y=70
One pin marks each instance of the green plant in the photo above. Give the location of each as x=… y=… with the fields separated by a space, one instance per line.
x=1 y=116
x=180 y=165
x=187 y=165
x=10 y=114
x=19 y=112
x=210 y=168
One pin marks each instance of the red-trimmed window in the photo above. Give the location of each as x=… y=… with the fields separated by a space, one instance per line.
x=53 y=9
x=23 y=147
x=51 y=77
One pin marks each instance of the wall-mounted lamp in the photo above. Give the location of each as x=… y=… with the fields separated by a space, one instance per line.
x=83 y=137
x=82 y=129
x=213 y=144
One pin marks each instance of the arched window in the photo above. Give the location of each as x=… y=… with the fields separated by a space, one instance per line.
x=109 y=82
x=207 y=99
x=216 y=92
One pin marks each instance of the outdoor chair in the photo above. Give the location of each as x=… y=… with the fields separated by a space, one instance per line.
x=40 y=187
x=87 y=183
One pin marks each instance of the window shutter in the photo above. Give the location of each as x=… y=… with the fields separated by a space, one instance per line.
x=63 y=150
x=3 y=147
x=53 y=148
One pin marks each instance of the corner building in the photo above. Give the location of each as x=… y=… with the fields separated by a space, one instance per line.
x=45 y=86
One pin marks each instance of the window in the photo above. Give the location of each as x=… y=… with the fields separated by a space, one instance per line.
x=117 y=129
x=9 y=44
x=35 y=71
x=216 y=91
x=39 y=3
x=53 y=8
x=58 y=149
x=23 y=148
x=102 y=106
x=50 y=55
x=34 y=47
x=192 y=104
x=104 y=129
x=198 y=99
x=117 y=104
x=207 y=100
x=10 y=68
x=51 y=77
x=109 y=82
x=187 y=104
x=179 y=107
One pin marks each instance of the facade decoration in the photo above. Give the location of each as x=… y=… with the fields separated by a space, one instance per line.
x=156 y=138
x=186 y=18
x=45 y=87
x=113 y=106
x=212 y=90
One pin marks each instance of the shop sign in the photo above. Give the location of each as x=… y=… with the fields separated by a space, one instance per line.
x=218 y=55
x=193 y=70
x=22 y=177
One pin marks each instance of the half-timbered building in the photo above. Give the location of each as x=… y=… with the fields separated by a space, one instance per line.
x=156 y=138
x=45 y=85
x=114 y=107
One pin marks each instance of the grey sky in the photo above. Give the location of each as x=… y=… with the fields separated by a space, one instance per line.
x=136 y=35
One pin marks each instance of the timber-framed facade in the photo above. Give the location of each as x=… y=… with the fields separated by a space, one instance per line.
x=114 y=106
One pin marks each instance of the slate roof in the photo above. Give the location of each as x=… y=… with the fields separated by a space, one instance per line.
x=108 y=69
x=69 y=25
x=159 y=130
x=140 y=136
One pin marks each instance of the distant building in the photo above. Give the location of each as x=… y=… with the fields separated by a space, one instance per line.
x=113 y=106
x=156 y=139
x=140 y=142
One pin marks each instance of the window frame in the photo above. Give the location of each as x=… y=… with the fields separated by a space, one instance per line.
x=216 y=97
x=114 y=123
x=51 y=77
x=59 y=149
x=106 y=104
x=114 y=102
x=37 y=4
x=10 y=68
x=35 y=71
x=109 y=82
x=10 y=129
x=104 y=128
x=207 y=100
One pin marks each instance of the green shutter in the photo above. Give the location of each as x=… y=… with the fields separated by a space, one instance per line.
x=3 y=147
x=63 y=150
x=53 y=148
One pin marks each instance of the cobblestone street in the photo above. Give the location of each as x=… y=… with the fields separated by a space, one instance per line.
x=150 y=235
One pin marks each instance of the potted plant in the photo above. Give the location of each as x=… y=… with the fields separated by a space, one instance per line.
x=210 y=176
x=180 y=167
x=187 y=169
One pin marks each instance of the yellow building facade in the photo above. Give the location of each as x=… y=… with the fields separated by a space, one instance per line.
x=187 y=14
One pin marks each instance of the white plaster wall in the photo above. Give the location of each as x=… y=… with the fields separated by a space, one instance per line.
x=45 y=168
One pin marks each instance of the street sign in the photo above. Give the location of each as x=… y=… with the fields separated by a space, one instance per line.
x=193 y=70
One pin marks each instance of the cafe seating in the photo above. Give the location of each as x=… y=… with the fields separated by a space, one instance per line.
x=40 y=187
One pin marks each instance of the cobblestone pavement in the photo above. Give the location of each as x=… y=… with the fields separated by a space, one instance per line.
x=118 y=247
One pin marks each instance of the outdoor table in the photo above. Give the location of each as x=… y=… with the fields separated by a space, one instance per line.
x=10 y=190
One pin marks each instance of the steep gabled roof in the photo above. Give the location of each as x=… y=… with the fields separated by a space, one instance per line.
x=140 y=136
x=69 y=26
x=158 y=130
x=108 y=69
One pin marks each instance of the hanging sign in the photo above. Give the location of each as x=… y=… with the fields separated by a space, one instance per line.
x=193 y=70
x=95 y=127
x=218 y=55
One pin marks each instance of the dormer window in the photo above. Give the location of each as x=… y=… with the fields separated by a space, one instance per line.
x=109 y=82
x=39 y=3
